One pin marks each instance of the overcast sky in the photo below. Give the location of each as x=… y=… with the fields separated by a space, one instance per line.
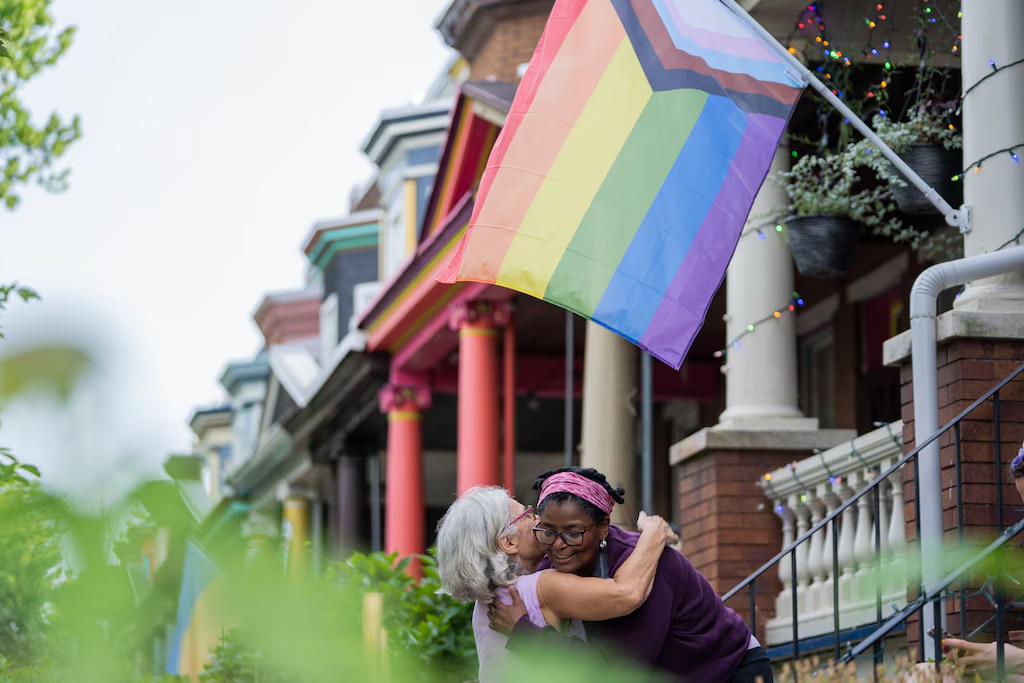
x=215 y=133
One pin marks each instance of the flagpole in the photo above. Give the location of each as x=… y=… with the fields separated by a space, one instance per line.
x=957 y=218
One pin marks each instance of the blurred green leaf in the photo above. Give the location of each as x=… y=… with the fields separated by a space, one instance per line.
x=31 y=469
x=54 y=368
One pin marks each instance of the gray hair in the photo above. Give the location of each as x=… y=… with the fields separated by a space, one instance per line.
x=470 y=562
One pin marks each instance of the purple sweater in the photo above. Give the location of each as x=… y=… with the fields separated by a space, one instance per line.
x=683 y=628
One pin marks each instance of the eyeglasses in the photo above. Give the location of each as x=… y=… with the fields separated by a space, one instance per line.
x=572 y=537
x=527 y=511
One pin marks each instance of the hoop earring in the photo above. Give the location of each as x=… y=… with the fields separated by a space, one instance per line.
x=603 y=544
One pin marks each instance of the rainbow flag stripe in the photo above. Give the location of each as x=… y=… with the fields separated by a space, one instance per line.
x=628 y=164
x=200 y=624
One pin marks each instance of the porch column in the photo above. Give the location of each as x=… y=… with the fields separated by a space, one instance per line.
x=478 y=323
x=351 y=496
x=404 y=511
x=992 y=121
x=295 y=533
x=609 y=415
x=761 y=373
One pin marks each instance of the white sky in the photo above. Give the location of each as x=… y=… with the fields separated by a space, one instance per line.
x=215 y=133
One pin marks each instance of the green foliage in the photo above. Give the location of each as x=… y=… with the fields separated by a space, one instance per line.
x=830 y=183
x=856 y=181
x=434 y=628
x=14 y=289
x=235 y=660
x=29 y=43
x=30 y=570
x=11 y=470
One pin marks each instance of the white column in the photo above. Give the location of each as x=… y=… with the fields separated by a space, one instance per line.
x=992 y=121
x=609 y=391
x=761 y=373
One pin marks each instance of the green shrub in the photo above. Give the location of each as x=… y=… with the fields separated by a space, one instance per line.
x=435 y=629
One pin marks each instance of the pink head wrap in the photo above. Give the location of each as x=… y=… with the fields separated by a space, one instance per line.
x=578 y=485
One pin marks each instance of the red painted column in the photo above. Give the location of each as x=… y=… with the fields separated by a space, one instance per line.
x=478 y=323
x=404 y=508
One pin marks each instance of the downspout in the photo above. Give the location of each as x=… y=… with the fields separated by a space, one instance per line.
x=923 y=296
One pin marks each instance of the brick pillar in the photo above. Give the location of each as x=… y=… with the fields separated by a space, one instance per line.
x=967 y=369
x=727 y=525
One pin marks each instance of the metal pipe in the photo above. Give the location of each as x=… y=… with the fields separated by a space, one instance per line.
x=376 y=542
x=923 y=296
x=647 y=419
x=570 y=389
x=509 y=435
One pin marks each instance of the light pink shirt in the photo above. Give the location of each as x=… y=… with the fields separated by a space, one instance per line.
x=490 y=645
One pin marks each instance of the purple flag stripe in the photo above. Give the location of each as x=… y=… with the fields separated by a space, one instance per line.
x=703 y=267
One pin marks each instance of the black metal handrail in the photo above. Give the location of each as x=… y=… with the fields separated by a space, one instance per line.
x=934 y=595
x=872 y=488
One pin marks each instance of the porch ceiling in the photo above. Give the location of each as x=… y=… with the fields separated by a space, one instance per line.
x=845 y=21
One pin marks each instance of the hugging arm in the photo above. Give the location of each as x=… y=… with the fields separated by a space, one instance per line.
x=567 y=596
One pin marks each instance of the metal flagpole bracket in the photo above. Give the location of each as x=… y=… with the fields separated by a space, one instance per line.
x=962 y=218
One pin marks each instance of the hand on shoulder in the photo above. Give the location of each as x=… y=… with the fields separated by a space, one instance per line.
x=656 y=525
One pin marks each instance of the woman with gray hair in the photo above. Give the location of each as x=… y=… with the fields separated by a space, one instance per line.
x=486 y=548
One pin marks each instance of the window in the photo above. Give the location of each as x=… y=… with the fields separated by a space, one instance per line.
x=394 y=243
x=423 y=155
x=423 y=187
x=817 y=376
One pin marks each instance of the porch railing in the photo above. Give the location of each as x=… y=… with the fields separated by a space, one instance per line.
x=868 y=571
x=803 y=494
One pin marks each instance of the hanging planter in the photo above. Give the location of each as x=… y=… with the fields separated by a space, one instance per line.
x=936 y=166
x=822 y=244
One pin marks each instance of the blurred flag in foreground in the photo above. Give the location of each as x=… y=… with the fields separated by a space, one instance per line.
x=199 y=625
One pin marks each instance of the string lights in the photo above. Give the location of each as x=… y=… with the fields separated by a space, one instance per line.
x=762 y=233
x=795 y=302
x=976 y=166
x=1015 y=240
x=995 y=69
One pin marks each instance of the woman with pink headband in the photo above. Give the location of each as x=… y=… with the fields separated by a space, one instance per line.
x=683 y=628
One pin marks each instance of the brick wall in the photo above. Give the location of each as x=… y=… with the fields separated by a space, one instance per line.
x=510 y=43
x=967 y=369
x=727 y=525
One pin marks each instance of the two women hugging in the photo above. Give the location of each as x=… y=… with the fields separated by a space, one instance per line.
x=563 y=571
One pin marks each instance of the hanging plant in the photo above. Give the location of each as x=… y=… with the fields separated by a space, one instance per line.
x=929 y=143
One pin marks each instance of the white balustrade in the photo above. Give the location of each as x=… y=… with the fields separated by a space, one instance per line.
x=784 y=603
x=864 y=539
x=803 y=574
x=815 y=565
x=805 y=492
